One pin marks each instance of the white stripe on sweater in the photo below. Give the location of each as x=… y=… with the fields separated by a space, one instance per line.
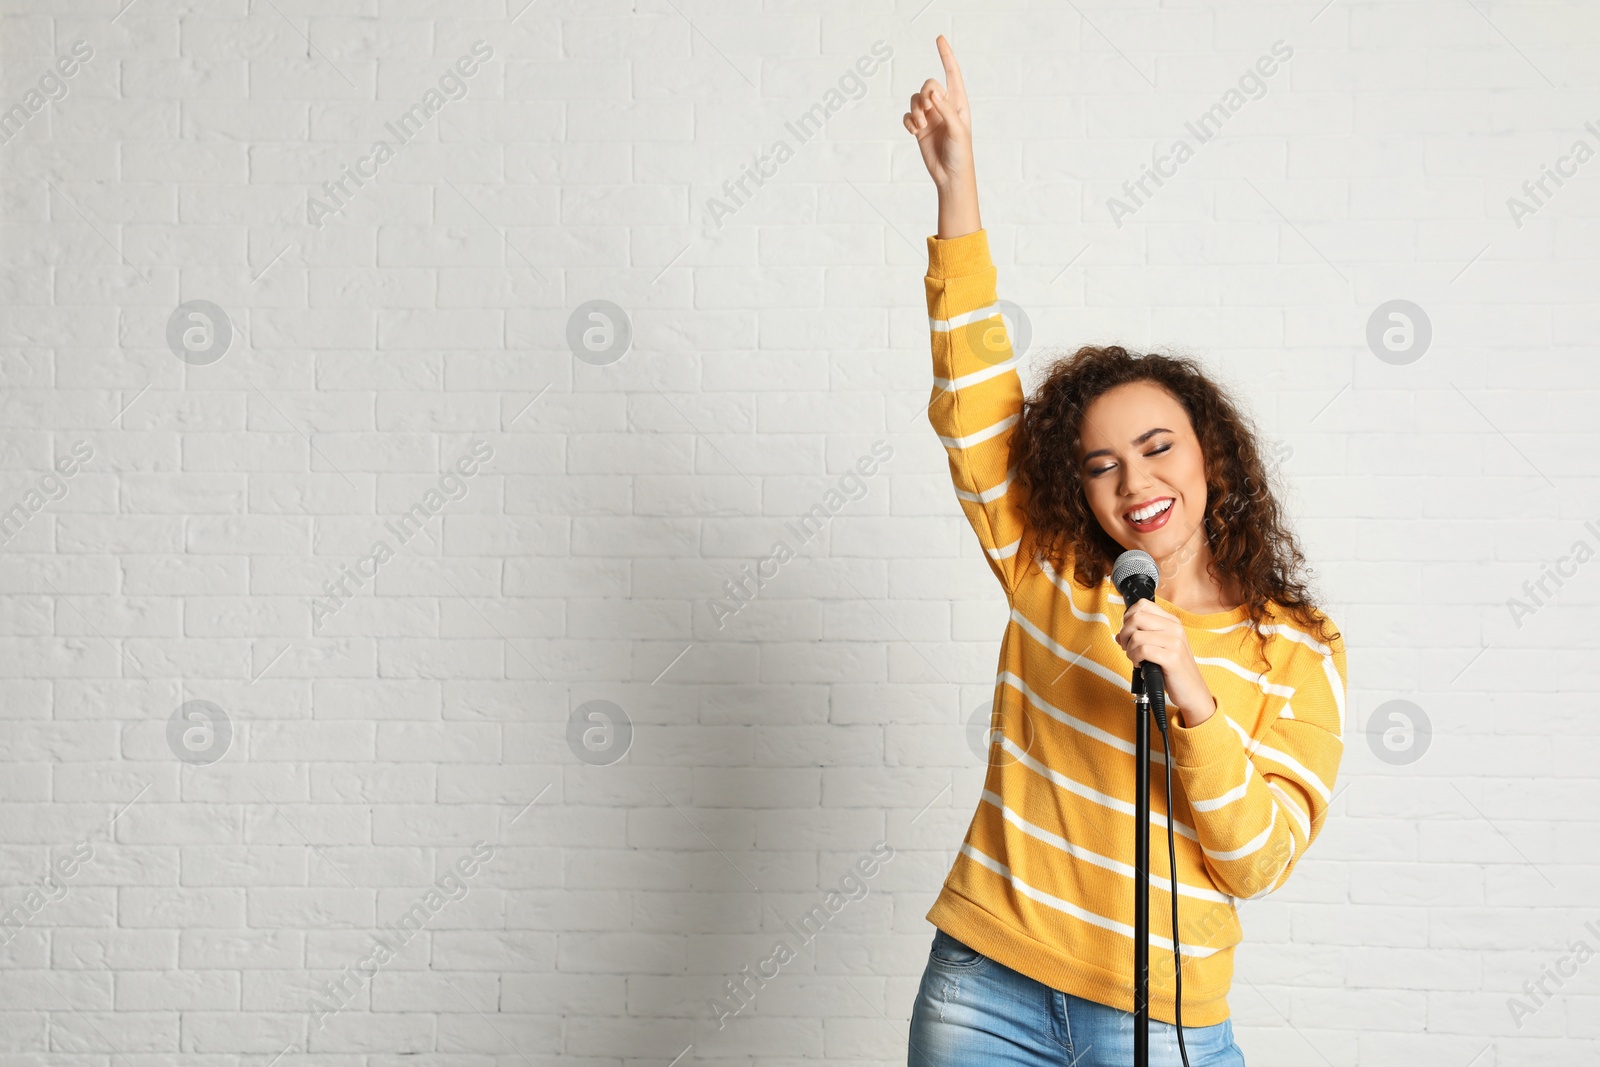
x=977 y=437
x=1004 y=551
x=1293 y=807
x=988 y=311
x=988 y=495
x=1086 y=792
x=1110 y=864
x=1253 y=845
x=1282 y=873
x=1066 y=906
x=951 y=385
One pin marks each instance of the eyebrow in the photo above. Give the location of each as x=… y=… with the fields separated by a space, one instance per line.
x=1136 y=442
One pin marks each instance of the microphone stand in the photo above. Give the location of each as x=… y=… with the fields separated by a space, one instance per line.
x=1134 y=575
x=1141 y=873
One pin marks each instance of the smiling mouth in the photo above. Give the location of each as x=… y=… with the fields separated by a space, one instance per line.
x=1150 y=516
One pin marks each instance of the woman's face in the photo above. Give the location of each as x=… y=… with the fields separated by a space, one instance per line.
x=1139 y=453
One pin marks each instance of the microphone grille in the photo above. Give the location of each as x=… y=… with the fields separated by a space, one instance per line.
x=1134 y=561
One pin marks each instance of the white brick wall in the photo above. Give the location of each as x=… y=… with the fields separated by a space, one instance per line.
x=769 y=354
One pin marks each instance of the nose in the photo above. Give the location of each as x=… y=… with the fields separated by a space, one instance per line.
x=1134 y=482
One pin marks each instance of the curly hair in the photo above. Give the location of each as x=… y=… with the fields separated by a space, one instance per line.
x=1246 y=527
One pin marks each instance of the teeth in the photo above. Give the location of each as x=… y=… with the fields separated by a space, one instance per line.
x=1150 y=512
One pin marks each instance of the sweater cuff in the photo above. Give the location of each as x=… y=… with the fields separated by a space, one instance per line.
x=1213 y=741
x=959 y=256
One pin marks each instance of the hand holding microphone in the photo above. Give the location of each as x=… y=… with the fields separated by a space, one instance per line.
x=1154 y=637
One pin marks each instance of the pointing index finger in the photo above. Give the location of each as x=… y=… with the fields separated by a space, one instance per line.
x=952 y=72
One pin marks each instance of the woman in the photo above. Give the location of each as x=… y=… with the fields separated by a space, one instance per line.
x=1032 y=959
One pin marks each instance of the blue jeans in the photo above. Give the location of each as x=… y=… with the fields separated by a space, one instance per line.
x=971 y=1010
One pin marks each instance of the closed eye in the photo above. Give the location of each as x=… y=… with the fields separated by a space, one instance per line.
x=1152 y=452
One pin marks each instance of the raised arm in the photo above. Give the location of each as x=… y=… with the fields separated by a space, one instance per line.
x=977 y=393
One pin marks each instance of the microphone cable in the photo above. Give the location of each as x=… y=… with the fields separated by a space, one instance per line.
x=1158 y=704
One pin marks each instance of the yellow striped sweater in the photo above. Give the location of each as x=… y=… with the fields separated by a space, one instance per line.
x=1044 y=879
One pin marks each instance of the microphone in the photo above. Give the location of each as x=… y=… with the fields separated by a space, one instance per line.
x=1135 y=574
